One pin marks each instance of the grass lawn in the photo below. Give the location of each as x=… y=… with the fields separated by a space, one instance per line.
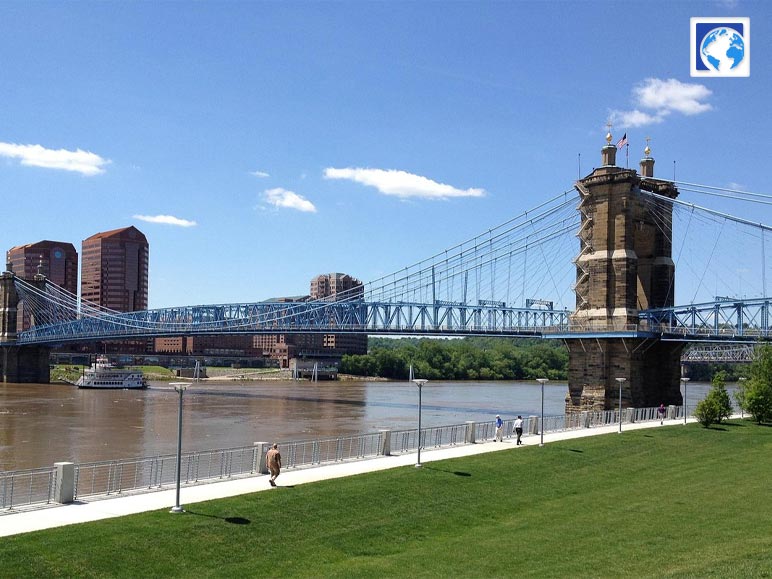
x=665 y=502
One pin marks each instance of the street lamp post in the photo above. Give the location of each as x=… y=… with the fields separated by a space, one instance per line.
x=621 y=381
x=685 y=381
x=179 y=387
x=419 y=382
x=542 y=381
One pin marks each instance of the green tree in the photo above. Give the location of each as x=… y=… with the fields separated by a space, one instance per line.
x=720 y=396
x=758 y=395
x=707 y=411
x=740 y=394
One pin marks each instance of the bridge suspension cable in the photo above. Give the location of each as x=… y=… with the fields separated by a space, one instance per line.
x=709 y=242
x=476 y=271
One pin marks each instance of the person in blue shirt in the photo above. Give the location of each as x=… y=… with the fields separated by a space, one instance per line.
x=499 y=429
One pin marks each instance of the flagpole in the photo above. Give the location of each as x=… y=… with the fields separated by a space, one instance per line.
x=627 y=155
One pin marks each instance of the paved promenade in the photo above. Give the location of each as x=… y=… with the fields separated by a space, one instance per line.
x=104 y=508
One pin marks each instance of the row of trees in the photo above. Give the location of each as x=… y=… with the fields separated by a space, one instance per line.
x=753 y=395
x=461 y=359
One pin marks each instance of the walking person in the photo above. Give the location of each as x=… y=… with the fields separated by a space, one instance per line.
x=519 y=428
x=499 y=429
x=661 y=413
x=273 y=460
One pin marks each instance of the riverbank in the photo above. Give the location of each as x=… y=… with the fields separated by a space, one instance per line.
x=69 y=374
x=525 y=510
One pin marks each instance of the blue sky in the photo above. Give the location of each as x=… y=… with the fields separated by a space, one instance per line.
x=258 y=144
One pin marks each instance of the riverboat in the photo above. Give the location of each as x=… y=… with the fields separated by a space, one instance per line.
x=102 y=374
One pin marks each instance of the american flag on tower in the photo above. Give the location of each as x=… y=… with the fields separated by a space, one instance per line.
x=622 y=142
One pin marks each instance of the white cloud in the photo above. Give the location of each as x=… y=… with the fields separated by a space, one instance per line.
x=80 y=161
x=736 y=186
x=661 y=98
x=166 y=220
x=636 y=118
x=279 y=197
x=672 y=95
x=400 y=183
x=261 y=174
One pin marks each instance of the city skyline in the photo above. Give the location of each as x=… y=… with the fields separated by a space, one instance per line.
x=259 y=144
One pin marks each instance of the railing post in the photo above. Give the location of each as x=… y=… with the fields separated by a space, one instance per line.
x=262 y=449
x=385 y=449
x=469 y=435
x=65 y=482
x=533 y=425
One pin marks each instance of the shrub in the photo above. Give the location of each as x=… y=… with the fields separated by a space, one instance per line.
x=758 y=394
x=707 y=411
x=758 y=400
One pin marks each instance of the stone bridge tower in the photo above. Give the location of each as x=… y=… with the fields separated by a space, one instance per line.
x=18 y=363
x=624 y=265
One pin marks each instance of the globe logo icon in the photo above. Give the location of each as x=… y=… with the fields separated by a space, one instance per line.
x=722 y=49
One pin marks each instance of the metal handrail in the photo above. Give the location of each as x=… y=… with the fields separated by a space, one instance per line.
x=115 y=477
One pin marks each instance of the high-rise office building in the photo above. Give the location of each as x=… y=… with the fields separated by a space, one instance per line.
x=114 y=269
x=339 y=286
x=57 y=260
x=284 y=347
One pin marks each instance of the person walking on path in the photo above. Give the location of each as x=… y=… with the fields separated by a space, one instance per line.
x=519 y=428
x=273 y=460
x=661 y=413
x=499 y=429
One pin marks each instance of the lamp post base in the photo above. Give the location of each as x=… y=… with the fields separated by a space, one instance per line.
x=177 y=510
x=418 y=465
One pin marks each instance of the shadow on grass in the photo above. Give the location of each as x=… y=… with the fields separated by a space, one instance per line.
x=575 y=450
x=231 y=520
x=455 y=472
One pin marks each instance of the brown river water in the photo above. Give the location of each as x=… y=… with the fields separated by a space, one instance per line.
x=45 y=423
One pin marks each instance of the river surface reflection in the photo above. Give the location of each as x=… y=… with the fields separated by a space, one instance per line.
x=45 y=423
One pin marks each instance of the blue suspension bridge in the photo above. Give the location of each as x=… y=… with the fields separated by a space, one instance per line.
x=469 y=289
x=522 y=278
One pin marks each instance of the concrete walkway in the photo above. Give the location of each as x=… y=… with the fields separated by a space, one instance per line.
x=104 y=508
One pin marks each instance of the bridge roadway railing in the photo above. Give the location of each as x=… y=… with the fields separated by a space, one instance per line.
x=721 y=320
x=304 y=317
x=34 y=488
x=725 y=319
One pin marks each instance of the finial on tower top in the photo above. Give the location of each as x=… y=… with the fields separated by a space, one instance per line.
x=647 y=150
x=609 y=138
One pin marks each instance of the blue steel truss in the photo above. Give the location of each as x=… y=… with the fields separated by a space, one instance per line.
x=738 y=320
x=745 y=320
x=304 y=317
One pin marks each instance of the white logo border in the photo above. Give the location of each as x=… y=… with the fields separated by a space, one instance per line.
x=743 y=69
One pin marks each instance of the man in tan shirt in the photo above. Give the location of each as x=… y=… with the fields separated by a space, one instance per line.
x=273 y=460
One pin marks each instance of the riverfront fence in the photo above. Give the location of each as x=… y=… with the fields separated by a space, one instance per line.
x=47 y=486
